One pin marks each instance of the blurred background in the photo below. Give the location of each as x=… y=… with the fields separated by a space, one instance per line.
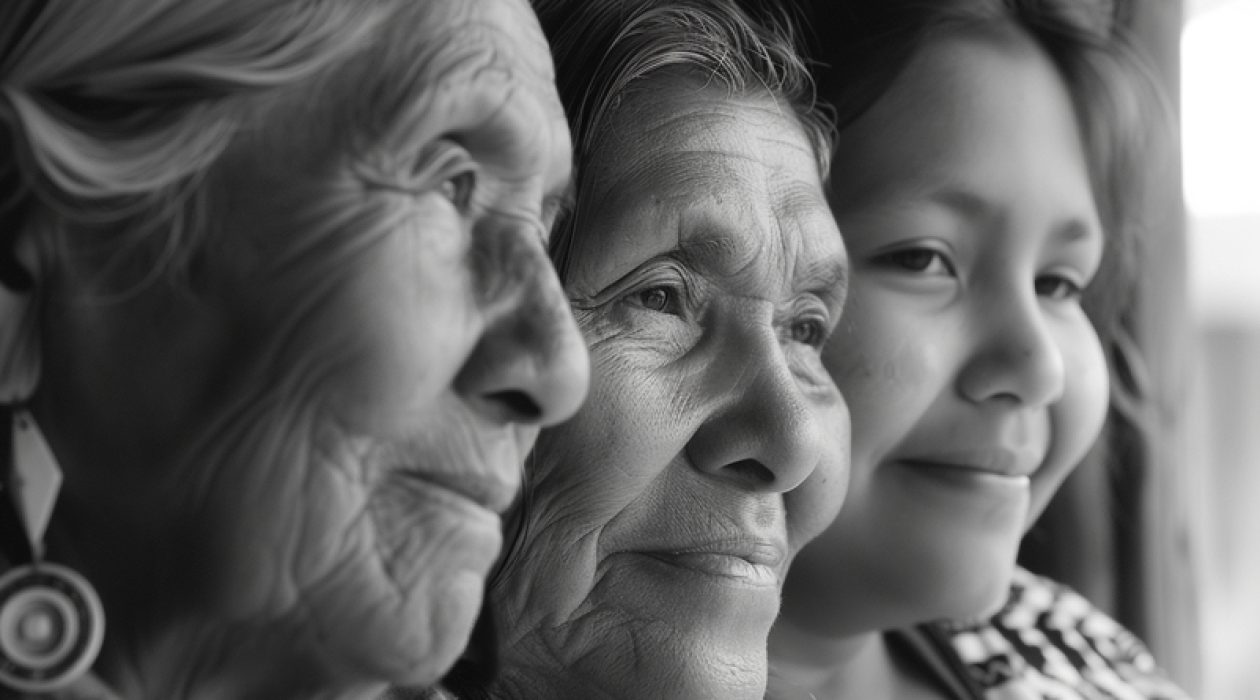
x=1220 y=118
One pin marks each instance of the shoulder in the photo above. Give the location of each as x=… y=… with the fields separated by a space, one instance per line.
x=1050 y=640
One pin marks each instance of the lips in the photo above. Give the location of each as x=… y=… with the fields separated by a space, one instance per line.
x=492 y=489
x=997 y=461
x=749 y=560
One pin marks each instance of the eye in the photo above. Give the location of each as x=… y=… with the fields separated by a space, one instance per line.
x=660 y=299
x=810 y=331
x=1058 y=288
x=919 y=260
x=459 y=188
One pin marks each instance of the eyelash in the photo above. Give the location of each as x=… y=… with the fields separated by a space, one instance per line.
x=1073 y=289
x=810 y=331
x=670 y=299
x=917 y=260
x=815 y=332
x=920 y=260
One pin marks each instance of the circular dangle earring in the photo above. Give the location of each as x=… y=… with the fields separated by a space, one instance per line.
x=51 y=620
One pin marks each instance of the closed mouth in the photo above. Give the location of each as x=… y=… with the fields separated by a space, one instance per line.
x=491 y=494
x=755 y=562
x=1002 y=462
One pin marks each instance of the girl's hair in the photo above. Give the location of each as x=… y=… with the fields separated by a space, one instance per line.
x=862 y=46
x=605 y=50
x=111 y=112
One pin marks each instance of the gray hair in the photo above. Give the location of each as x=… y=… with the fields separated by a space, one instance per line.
x=111 y=112
x=604 y=49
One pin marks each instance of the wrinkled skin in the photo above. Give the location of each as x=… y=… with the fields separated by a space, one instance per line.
x=975 y=379
x=658 y=523
x=252 y=464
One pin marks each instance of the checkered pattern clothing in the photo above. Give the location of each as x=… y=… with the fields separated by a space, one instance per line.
x=1046 y=643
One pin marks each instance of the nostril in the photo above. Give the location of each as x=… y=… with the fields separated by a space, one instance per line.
x=751 y=471
x=519 y=404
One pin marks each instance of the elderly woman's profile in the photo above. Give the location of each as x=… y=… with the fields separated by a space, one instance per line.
x=277 y=330
x=705 y=271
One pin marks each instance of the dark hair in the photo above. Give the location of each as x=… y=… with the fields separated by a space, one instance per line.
x=862 y=46
x=605 y=49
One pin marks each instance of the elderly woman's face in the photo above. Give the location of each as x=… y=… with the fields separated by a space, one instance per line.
x=313 y=443
x=706 y=272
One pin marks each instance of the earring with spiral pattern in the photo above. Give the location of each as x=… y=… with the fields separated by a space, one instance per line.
x=51 y=620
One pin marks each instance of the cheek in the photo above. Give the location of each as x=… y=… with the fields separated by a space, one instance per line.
x=1077 y=419
x=393 y=328
x=888 y=373
x=618 y=443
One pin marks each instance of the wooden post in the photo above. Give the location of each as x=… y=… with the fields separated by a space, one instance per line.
x=1169 y=618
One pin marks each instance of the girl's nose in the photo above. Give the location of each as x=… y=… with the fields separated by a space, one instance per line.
x=1016 y=356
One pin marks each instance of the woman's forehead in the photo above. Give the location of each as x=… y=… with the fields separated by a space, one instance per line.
x=722 y=179
x=437 y=44
x=680 y=128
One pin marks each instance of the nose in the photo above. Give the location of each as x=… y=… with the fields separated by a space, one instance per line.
x=1016 y=356
x=764 y=433
x=530 y=363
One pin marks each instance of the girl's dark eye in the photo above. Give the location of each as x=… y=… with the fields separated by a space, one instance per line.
x=459 y=188
x=923 y=260
x=1057 y=287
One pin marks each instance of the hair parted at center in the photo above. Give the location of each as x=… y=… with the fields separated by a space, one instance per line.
x=604 y=51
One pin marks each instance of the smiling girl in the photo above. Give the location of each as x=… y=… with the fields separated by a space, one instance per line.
x=977 y=181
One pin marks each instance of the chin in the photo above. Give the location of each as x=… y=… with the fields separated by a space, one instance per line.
x=728 y=673
x=955 y=574
x=979 y=597
x=414 y=645
x=975 y=589
x=655 y=660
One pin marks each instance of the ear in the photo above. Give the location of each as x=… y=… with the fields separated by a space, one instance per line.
x=19 y=329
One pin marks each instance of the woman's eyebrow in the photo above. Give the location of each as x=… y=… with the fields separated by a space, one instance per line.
x=715 y=254
x=827 y=277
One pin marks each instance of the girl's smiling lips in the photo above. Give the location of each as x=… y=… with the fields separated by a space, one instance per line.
x=996 y=461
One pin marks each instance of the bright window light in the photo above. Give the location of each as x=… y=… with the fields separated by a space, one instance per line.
x=1221 y=110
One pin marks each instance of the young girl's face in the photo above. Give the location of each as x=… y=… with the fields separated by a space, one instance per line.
x=975 y=381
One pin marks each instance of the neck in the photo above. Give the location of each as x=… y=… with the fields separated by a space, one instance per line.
x=159 y=645
x=806 y=663
x=193 y=662
x=511 y=684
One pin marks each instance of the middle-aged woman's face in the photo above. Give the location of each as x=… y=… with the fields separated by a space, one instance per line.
x=310 y=445
x=975 y=378
x=705 y=274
